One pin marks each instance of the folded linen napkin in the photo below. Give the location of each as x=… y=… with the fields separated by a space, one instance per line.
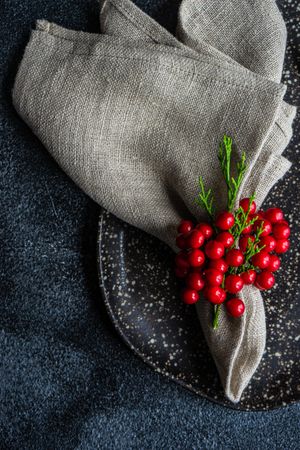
x=134 y=116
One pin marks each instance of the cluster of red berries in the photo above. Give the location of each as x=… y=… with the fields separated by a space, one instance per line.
x=212 y=258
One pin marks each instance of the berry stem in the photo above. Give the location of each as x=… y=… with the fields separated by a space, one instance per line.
x=217 y=309
x=215 y=322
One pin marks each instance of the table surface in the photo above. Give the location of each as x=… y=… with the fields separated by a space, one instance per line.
x=67 y=380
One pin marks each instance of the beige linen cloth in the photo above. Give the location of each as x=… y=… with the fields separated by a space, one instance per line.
x=134 y=115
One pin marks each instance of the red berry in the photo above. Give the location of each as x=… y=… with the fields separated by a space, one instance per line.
x=219 y=264
x=260 y=214
x=248 y=229
x=281 y=231
x=195 y=239
x=234 y=257
x=214 y=249
x=282 y=245
x=180 y=272
x=213 y=277
x=267 y=227
x=249 y=276
x=185 y=226
x=268 y=242
x=265 y=280
x=206 y=229
x=274 y=215
x=196 y=258
x=181 y=260
x=274 y=263
x=261 y=259
x=226 y=238
x=225 y=220
x=214 y=294
x=245 y=203
x=181 y=241
x=285 y=222
x=235 y=307
x=195 y=281
x=190 y=296
x=244 y=242
x=233 y=283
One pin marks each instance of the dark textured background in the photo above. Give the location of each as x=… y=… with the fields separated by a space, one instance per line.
x=66 y=379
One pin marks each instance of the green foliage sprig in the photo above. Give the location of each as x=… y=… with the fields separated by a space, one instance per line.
x=233 y=184
x=206 y=199
x=242 y=220
x=252 y=249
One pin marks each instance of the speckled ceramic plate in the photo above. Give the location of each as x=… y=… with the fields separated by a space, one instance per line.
x=142 y=298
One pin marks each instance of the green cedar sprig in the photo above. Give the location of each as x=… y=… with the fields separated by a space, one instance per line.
x=252 y=249
x=206 y=199
x=233 y=184
x=242 y=220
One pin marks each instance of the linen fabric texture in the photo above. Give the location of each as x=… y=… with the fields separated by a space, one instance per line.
x=134 y=115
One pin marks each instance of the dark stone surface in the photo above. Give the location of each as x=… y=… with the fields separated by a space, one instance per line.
x=67 y=380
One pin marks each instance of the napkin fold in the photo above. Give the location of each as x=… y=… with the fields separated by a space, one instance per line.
x=134 y=115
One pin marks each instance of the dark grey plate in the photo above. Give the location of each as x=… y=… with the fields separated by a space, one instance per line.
x=142 y=298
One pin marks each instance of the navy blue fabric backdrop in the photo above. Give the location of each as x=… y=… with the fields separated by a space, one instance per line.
x=66 y=379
